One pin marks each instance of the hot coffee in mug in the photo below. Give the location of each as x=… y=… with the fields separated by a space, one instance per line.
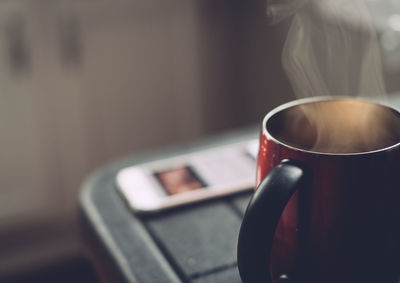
x=326 y=208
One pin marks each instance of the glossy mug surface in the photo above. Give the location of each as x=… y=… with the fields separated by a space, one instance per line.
x=326 y=209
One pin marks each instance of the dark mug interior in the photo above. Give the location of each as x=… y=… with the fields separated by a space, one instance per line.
x=336 y=126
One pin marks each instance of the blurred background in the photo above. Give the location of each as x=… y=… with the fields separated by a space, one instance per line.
x=85 y=82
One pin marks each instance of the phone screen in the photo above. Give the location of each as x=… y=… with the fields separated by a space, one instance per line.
x=179 y=180
x=224 y=168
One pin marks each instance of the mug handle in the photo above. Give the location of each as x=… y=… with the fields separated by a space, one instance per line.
x=262 y=216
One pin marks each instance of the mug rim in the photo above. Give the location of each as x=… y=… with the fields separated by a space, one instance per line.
x=308 y=100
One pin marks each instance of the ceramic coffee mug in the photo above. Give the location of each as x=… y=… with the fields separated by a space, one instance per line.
x=327 y=205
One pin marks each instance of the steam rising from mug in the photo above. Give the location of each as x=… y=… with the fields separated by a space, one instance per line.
x=278 y=10
x=332 y=49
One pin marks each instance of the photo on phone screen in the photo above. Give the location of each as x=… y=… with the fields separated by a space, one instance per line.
x=179 y=180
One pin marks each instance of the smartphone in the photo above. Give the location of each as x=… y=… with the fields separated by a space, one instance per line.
x=188 y=178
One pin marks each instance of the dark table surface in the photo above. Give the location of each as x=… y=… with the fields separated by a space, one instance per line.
x=195 y=243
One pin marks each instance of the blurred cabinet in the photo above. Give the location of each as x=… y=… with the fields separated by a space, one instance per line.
x=26 y=143
x=83 y=83
x=98 y=82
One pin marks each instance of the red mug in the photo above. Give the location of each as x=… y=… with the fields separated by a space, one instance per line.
x=325 y=210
